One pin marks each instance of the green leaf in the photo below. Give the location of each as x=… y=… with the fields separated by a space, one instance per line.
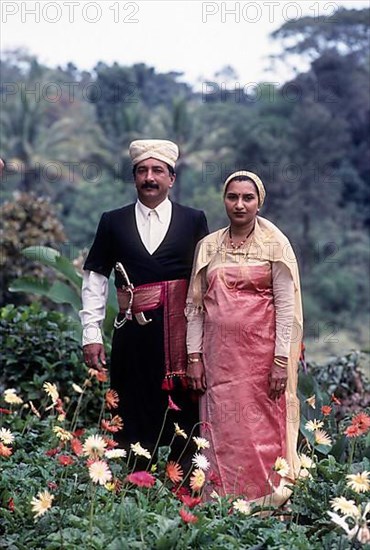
x=64 y=294
x=31 y=285
x=52 y=258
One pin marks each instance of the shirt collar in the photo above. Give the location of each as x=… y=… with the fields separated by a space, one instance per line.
x=162 y=209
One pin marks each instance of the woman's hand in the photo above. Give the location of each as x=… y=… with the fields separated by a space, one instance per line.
x=195 y=373
x=278 y=379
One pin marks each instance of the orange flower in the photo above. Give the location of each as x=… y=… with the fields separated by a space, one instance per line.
x=113 y=425
x=174 y=472
x=352 y=431
x=111 y=399
x=111 y=444
x=101 y=375
x=65 y=460
x=187 y=517
x=197 y=479
x=335 y=400
x=362 y=420
x=4 y=450
x=326 y=410
x=76 y=446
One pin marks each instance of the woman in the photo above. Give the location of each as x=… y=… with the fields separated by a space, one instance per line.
x=244 y=339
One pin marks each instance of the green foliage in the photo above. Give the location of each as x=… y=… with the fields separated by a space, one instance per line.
x=308 y=139
x=346 y=30
x=93 y=516
x=38 y=346
x=58 y=291
x=25 y=221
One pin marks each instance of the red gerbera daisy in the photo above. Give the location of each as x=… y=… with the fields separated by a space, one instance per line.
x=187 y=517
x=352 y=431
x=76 y=446
x=65 y=460
x=190 y=501
x=113 y=425
x=141 y=479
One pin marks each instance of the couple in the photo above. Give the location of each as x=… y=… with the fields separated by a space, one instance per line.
x=244 y=323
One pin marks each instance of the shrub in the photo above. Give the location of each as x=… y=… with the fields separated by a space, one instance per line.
x=26 y=221
x=37 y=346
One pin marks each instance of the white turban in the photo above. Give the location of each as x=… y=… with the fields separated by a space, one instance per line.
x=159 y=149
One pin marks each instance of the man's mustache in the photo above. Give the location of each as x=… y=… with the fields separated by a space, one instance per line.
x=148 y=185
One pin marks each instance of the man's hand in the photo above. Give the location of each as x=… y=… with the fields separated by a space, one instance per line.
x=94 y=356
x=1 y=166
x=195 y=373
x=278 y=378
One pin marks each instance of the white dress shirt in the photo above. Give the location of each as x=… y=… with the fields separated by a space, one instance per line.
x=152 y=226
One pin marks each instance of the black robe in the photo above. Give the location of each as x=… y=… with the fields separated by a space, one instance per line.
x=137 y=360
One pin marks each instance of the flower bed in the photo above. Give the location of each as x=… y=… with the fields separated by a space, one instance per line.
x=66 y=484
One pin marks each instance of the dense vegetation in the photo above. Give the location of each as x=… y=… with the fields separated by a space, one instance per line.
x=64 y=485
x=66 y=132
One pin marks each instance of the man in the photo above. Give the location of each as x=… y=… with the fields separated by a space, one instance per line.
x=154 y=241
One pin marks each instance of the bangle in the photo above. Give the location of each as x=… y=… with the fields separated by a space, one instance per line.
x=280 y=363
x=193 y=360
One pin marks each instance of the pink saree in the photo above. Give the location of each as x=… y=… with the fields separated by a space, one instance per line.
x=231 y=301
x=247 y=430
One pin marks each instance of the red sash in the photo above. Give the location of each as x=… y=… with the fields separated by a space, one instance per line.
x=172 y=296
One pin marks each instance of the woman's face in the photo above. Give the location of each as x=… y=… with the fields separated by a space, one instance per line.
x=241 y=202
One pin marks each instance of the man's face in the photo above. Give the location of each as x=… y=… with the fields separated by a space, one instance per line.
x=153 y=181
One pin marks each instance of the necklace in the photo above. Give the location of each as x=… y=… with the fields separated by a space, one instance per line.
x=233 y=245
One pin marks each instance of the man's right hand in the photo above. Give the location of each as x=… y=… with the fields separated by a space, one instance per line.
x=94 y=356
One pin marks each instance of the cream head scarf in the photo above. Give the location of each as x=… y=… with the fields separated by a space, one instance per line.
x=256 y=180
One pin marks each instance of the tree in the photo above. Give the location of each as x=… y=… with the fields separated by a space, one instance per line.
x=347 y=31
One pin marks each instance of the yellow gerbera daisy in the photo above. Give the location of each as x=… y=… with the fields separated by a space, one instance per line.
x=94 y=446
x=179 y=431
x=322 y=438
x=99 y=472
x=201 y=442
x=51 y=390
x=6 y=436
x=11 y=397
x=41 y=503
x=281 y=466
x=360 y=482
x=197 y=479
x=346 y=507
x=313 y=425
x=138 y=450
x=242 y=506
x=62 y=434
